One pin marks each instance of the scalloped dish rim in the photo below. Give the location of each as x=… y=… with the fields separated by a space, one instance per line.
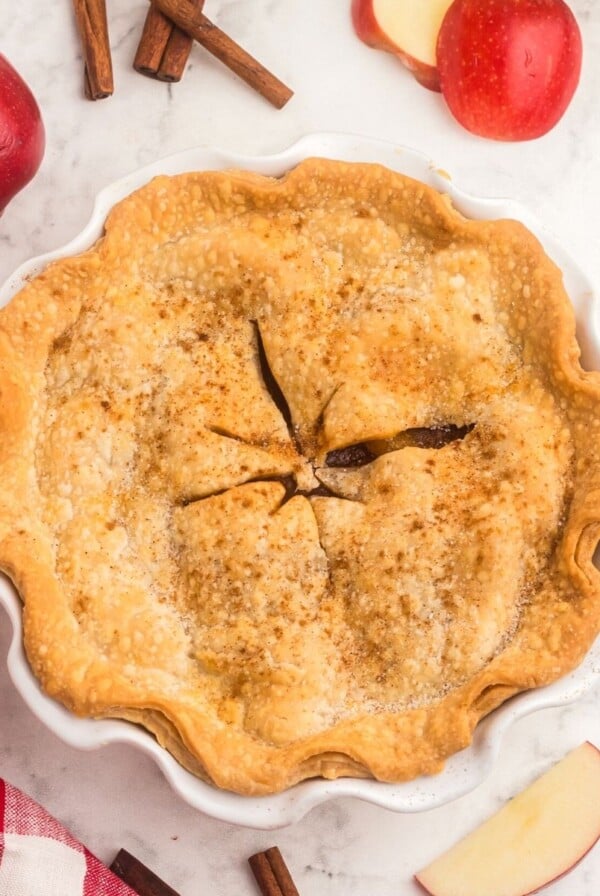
x=465 y=770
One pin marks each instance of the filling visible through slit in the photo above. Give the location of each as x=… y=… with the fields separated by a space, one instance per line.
x=366 y=452
x=358 y=455
x=272 y=386
x=351 y=456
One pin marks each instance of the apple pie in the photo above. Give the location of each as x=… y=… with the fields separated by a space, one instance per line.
x=300 y=474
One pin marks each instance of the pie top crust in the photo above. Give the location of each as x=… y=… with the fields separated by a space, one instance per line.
x=195 y=549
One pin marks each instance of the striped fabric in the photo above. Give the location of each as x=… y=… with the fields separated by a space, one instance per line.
x=39 y=857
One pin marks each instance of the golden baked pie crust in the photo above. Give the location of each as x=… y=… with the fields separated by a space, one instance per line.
x=188 y=556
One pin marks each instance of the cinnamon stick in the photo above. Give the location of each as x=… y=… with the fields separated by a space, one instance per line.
x=272 y=874
x=177 y=52
x=190 y=19
x=92 y=26
x=131 y=871
x=164 y=49
x=153 y=42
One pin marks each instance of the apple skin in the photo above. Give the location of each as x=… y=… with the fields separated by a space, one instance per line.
x=22 y=137
x=509 y=68
x=533 y=841
x=368 y=30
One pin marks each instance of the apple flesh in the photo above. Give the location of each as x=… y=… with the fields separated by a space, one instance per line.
x=509 y=68
x=22 y=138
x=408 y=29
x=534 y=839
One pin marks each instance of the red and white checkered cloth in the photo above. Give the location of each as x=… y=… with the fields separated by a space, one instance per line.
x=39 y=857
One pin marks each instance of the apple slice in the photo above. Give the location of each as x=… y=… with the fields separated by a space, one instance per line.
x=535 y=838
x=408 y=29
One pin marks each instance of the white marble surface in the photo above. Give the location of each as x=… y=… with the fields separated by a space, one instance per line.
x=115 y=797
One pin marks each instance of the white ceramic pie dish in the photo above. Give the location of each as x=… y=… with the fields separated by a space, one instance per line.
x=465 y=770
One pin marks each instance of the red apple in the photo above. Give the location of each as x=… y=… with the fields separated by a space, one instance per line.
x=22 y=137
x=534 y=839
x=408 y=29
x=509 y=68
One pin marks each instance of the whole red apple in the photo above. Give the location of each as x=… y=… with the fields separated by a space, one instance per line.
x=509 y=68
x=22 y=138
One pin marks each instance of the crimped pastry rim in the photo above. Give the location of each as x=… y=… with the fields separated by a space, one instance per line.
x=288 y=159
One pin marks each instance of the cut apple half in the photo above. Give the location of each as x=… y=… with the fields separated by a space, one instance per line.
x=535 y=838
x=409 y=29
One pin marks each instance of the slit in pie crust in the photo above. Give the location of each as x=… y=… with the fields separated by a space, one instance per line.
x=302 y=475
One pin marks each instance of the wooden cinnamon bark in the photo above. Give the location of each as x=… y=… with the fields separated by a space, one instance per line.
x=92 y=26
